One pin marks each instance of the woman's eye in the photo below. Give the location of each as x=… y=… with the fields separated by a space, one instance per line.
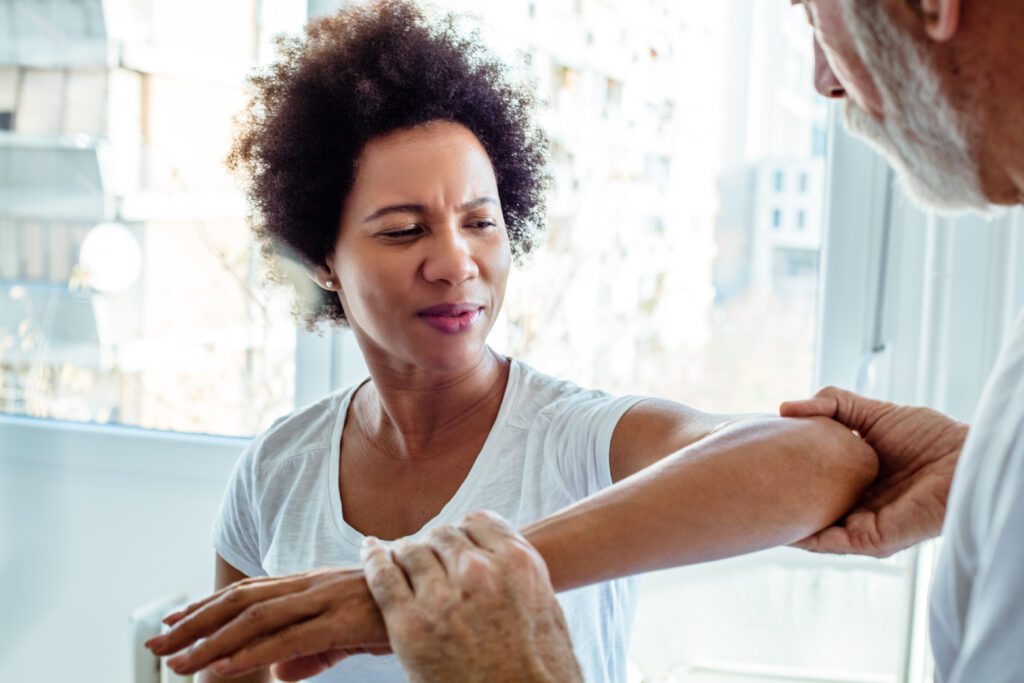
x=482 y=224
x=411 y=231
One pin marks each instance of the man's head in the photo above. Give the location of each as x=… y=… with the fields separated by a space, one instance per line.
x=936 y=85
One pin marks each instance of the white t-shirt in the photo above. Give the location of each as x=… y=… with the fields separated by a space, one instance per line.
x=547 y=449
x=977 y=601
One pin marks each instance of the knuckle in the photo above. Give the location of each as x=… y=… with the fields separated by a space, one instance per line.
x=476 y=516
x=476 y=570
x=235 y=595
x=255 y=614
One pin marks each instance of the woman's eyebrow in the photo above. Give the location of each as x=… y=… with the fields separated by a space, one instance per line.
x=478 y=202
x=419 y=208
x=396 y=208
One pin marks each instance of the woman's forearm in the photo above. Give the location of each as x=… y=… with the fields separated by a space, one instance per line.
x=753 y=485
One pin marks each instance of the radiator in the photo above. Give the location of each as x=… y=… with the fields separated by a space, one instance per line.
x=146 y=622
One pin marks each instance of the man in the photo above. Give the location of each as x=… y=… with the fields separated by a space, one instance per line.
x=938 y=85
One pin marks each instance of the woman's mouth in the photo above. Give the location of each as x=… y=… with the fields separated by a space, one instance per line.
x=451 y=318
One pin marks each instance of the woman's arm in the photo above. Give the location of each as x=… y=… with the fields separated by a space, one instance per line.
x=697 y=487
x=736 y=488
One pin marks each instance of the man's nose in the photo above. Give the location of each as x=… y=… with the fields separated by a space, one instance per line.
x=825 y=81
x=450 y=258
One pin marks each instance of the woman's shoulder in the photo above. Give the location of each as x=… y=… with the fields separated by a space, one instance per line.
x=538 y=392
x=304 y=431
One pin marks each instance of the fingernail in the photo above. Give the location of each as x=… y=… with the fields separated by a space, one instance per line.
x=221 y=667
x=369 y=543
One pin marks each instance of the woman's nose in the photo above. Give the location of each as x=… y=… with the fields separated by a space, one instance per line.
x=825 y=81
x=450 y=258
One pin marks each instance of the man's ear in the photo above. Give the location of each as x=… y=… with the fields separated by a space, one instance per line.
x=942 y=19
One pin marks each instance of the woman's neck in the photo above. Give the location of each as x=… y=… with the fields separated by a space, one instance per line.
x=412 y=415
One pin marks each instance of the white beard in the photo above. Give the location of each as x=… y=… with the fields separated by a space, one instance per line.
x=923 y=136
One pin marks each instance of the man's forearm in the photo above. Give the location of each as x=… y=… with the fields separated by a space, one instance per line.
x=753 y=485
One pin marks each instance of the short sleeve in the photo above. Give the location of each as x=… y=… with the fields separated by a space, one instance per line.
x=994 y=622
x=577 y=443
x=236 y=530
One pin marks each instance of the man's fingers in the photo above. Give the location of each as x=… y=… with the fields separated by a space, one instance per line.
x=219 y=609
x=490 y=531
x=256 y=622
x=386 y=580
x=450 y=542
x=835 y=540
x=811 y=407
x=420 y=564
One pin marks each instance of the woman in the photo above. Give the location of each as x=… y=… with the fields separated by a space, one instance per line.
x=398 y=163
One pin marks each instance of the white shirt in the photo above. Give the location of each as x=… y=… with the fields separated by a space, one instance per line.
x=549 y=447
x=977 y=601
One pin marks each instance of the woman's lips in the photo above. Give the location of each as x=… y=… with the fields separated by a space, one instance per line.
x=451 y=319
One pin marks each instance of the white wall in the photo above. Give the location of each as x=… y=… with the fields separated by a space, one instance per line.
x=94 y=522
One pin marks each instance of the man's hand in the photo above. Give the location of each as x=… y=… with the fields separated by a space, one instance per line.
x=308 y=622
x=917 y=449
x=471 y=603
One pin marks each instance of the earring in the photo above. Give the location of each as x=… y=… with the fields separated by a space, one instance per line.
x=329 y=284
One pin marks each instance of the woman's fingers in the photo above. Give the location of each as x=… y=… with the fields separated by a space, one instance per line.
x=219 y=609
x=310 y=665
x=255 y=622
x=301 y=668
x=307 y=638
x=174 y=617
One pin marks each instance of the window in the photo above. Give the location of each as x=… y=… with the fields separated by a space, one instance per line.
x=779 y=180
x=803 y=183
x=776 y=219
x=130 y=290
x=801 y=220
x=8 y=96
x=39 y=102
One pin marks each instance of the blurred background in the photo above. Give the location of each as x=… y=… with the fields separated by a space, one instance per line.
x=698 y=180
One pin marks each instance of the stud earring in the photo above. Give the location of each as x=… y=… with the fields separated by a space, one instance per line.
x=329 y=284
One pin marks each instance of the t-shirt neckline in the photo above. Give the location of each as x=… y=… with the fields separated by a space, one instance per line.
x=452 y=509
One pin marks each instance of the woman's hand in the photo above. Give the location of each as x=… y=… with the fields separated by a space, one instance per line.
x=918 y=449
x=308 y=622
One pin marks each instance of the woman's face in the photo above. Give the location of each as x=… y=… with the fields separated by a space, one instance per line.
x=422 y=256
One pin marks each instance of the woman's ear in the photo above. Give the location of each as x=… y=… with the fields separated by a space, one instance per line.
x=942 y=19
x=324 y=276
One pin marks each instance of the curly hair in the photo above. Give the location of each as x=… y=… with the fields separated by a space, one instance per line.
x=356 y=75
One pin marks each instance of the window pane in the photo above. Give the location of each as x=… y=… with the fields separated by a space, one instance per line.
x=39 y=105
x=130 y=289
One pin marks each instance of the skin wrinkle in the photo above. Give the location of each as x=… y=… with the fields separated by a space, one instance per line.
x=949 y=91
x=924 y=136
